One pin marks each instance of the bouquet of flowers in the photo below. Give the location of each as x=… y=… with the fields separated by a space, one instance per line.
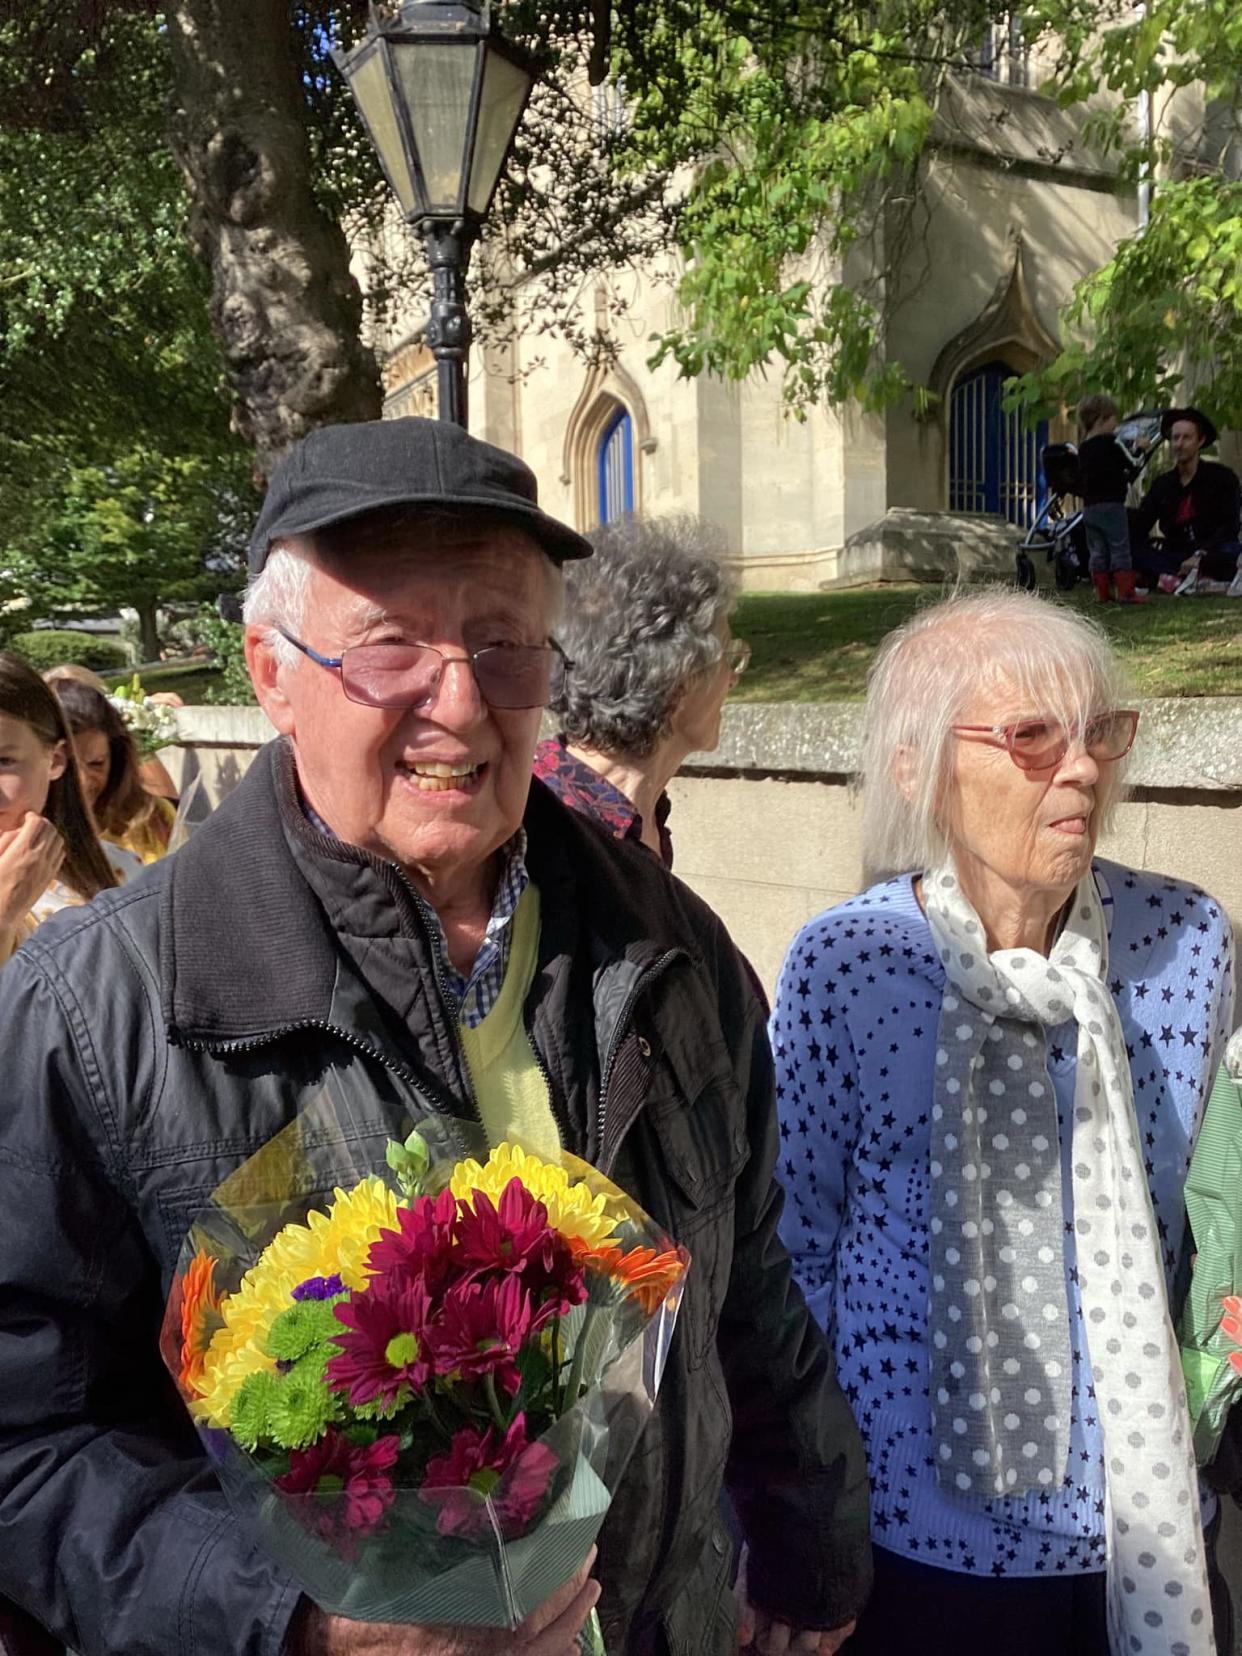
x=1210 y=1330
x=420 y=1385
x=152 y=724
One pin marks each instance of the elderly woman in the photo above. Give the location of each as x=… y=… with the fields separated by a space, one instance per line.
x=647 y=629
x=993 y=1064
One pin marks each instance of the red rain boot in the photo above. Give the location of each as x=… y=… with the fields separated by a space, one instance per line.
x=1126 y=581
x=1103 y=589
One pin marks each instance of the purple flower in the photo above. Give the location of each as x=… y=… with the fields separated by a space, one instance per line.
x=319 y=1288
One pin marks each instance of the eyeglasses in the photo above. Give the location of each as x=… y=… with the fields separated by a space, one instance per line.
x=738 y=656
x=408 y=675
x=1038 y=744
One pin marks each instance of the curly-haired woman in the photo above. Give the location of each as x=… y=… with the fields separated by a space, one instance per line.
x=646 y=627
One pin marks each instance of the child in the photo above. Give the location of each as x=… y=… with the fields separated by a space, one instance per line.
x=49 y=852
x=1107 y=469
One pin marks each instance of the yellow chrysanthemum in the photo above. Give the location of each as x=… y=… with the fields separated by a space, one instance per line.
x=572 y=1209
x=332 y=1243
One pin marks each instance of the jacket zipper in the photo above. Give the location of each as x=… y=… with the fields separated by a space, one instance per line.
x=251 y=1043
x=642 y=984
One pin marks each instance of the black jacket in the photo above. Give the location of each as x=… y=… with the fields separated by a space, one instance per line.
x=157 y=1039
x=1199 y=516
x=1105 y=470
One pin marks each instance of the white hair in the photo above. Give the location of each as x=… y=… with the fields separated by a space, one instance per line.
x=277 y=596
x=922 y=682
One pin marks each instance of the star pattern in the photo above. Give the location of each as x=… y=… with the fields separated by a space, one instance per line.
x=854 y=1035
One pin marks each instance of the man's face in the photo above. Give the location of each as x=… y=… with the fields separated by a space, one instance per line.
x=1185 y=439
x=380 y=777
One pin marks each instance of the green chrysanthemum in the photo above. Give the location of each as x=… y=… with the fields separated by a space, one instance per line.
x=301 y=1409
x=300 y=1329
x=249 y=1419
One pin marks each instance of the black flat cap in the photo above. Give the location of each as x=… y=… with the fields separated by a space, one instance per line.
x=345 y=471
x=1196 y=416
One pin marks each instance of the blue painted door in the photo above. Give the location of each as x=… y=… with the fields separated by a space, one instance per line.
x=993 y=459
x=616 y=468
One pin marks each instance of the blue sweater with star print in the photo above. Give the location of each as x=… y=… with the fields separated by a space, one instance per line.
x=854 y=1034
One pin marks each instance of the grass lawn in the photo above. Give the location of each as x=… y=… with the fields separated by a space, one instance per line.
x=818 y=646
x=810 y=647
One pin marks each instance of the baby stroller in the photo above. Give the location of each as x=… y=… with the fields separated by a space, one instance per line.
x=1060 y=533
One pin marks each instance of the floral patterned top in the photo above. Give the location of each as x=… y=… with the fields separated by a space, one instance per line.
x=575 y=784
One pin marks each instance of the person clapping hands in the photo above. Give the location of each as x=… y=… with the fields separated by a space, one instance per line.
x=50 y=855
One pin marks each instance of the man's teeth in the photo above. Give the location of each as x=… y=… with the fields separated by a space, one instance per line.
x=439 y=778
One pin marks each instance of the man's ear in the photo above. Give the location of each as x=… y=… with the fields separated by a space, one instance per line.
x=264 y=673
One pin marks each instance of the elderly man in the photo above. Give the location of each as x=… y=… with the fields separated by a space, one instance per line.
x=352 y=916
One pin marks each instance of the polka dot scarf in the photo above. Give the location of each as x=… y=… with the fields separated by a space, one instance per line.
x=999 y=1314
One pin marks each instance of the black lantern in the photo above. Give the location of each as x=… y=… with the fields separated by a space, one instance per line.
x=441 y=96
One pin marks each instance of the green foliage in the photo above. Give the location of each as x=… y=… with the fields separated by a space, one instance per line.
x=1165 y=313
x=121 y=483
x=227 y=643
x=766 y=162
x=140 y=530
x=410 y=1162
x=47 y=649
x=1167 y=308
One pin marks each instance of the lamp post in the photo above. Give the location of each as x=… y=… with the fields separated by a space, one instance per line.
x=441 y=96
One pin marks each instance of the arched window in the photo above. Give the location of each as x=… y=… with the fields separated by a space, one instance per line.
x=993 y=457
x=616 y=467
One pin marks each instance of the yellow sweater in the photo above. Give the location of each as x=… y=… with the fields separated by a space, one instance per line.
x=511 y=1089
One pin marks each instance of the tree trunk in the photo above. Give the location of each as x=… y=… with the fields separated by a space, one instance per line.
x=148 y=633
x=285 y=308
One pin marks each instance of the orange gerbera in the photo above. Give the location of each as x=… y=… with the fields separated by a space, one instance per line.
x=198 y=1299
x=645 y=1273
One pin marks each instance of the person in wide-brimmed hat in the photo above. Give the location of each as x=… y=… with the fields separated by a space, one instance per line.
x=1196 y=505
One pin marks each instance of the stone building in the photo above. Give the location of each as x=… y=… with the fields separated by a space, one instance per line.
x=1015 y=208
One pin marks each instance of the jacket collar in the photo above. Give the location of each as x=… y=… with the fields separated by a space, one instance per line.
x=247 y=948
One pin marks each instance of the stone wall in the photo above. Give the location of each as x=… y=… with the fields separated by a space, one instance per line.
x=767 y=829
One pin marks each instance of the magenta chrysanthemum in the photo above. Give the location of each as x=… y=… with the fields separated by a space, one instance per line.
x=505 y=1236
x=422 y=1249
x=511 y=1471
x=481 y=1328
x=386 y=1352
x=355 y=1475
x=514 y=1236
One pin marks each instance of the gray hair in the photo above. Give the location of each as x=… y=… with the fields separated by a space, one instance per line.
x=641 y=624
x=921 y=684
x=276 y=597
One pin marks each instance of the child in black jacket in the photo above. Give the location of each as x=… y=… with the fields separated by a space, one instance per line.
x=1107 y=468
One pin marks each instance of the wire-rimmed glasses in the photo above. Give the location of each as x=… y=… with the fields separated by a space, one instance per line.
x=509 y=676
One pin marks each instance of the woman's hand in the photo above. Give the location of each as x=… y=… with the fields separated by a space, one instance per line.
x=30 y=859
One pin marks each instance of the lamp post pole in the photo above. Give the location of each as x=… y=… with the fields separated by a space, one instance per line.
x=448 y=331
